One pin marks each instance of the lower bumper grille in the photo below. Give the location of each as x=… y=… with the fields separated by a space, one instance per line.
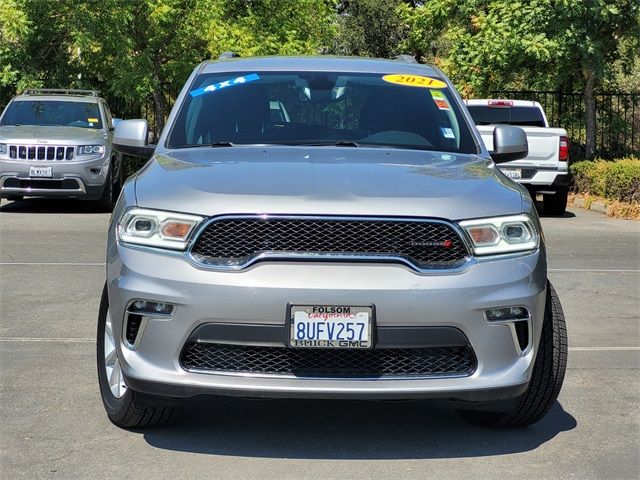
x=48 y=184
x=427 y=361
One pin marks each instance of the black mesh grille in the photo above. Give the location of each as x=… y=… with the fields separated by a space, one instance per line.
x=427 y=361
x=133 y=326
x=425 y=244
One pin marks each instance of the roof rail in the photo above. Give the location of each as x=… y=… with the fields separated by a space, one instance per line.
x=405 y=58
x=228 y=55
x=60 y=91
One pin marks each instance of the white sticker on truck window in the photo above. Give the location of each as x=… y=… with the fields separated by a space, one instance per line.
x=447 y=132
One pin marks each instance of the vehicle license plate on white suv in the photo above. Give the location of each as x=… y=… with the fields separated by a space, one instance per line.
x=513 y=173
x=331 y=326
x=40 y=172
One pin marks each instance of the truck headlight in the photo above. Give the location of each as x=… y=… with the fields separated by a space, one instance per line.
x=490 y=236
x=90 y=149
x=155 y=228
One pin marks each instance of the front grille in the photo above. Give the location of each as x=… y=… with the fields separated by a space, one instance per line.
x=36 y=183
x=426 y=361
x=40 y=152
x=425 y=244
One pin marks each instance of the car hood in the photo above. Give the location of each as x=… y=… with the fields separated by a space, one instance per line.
x=326 y=181
x=31 y=134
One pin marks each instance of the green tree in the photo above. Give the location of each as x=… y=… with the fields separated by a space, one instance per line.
x=370 y=28
x=33 y=52
x=270 y=27
x=140 y=49
x=593 y=35
x=489 y=44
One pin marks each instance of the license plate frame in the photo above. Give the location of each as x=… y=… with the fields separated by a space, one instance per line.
x=40 y=172
x=512 y=173
x=366 y=343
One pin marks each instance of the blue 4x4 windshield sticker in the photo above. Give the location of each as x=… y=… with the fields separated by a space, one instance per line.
x=227 y=83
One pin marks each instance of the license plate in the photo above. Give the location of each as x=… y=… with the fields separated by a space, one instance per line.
x=40 y=172
x=513 y=173
x=330 y=326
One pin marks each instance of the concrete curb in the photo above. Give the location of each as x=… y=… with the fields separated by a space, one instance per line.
x=598 y=207
x=594 y=206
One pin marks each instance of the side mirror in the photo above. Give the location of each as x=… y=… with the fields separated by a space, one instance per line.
x=509 y=143
x=130 y=138
x=114 y=122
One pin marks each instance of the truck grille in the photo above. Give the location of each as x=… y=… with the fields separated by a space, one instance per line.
x=422 y=243
x=322 y=362
x=40 y=152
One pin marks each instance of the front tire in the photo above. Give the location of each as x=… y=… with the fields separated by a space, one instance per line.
x=546 y=378
x=125 y=407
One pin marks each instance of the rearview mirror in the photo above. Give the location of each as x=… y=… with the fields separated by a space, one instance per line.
x=509 y=143
x=130 y=138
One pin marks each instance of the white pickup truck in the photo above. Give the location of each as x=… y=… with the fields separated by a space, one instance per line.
x=545 y=170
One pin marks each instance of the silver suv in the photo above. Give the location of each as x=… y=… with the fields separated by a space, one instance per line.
x=58 y=143
x=326 y=228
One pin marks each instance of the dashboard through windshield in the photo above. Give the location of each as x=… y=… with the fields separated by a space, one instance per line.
x=321 y=108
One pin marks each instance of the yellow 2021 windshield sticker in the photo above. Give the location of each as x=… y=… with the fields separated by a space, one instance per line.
x=414 y=81
x=92 y=120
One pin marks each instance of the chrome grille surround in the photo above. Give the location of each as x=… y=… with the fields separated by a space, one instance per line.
x=456 y=259
x=41 y=152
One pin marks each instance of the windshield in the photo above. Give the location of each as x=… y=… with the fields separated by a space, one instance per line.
x=320 y=108
x=522 y=116
x=53 y=113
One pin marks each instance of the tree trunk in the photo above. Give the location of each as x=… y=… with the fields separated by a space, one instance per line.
x=590 y=115
x=159 y=111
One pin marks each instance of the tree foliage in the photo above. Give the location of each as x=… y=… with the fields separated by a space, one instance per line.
x=140 y=49
x=270 y=27
x=370 y=28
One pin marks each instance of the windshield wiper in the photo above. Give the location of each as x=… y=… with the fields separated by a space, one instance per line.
x=219 y=144
x=328 y=143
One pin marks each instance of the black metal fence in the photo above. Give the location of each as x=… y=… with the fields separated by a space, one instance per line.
x=617 y=119
x=617 y=116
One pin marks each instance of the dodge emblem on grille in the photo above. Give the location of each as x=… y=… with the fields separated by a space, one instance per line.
x=445 y=244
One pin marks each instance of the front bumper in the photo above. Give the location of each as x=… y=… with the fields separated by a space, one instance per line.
x=260 y=294
x=70 y=178
x=543 y=180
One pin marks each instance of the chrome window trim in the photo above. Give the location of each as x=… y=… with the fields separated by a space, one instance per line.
x=198 y=262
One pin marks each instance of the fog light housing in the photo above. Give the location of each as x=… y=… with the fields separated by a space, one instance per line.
x=505 y=314
x=147 y=307
x=518 y=319
x=138 y=314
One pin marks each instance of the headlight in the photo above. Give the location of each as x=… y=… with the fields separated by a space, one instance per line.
x=90 y=149
x=3 y=148
x=491 y=236
x=154 y=228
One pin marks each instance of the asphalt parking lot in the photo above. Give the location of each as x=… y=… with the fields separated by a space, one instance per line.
x=53 y=424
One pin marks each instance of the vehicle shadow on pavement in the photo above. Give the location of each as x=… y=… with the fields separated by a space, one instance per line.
x=316 y=429
x=564 y=215
x=47 y=205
